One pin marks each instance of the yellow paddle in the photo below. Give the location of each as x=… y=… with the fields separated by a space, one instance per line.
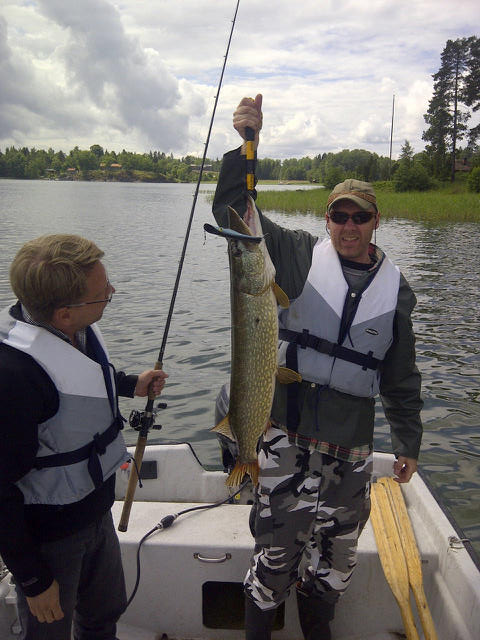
x=412 y=556
x=391 y=555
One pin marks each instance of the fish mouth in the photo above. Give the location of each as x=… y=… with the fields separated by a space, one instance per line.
x=245 y=228
x=252 y=219
x=236 y=223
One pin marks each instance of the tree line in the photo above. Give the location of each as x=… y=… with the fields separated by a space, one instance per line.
x=456 y=98
x=324 y=168
x=97 y=163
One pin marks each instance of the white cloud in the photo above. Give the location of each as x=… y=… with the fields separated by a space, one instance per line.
x=140 y=75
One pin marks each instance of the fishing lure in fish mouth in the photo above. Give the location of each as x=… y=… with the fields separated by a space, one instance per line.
x=225 y=232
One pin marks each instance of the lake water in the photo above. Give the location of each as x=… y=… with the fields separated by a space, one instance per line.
x=141 y=228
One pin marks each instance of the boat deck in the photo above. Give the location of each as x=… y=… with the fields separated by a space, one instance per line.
x=189 y=550
x=192 y=573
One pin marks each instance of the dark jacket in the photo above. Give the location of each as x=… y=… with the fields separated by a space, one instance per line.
x=28 y=397
x=326 y=414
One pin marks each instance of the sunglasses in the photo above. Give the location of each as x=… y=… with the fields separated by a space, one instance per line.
x=360 y=217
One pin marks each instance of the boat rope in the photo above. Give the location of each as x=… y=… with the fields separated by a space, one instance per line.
x=148 y=415
x=167 y=522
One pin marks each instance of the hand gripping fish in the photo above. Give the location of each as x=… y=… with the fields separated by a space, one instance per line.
x=254 y=338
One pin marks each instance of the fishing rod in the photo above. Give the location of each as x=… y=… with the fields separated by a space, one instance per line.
x=147 y=417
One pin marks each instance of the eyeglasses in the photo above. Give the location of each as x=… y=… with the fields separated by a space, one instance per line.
x=83 y=304
x=360 y=217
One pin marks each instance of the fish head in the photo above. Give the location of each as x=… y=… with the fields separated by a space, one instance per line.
x=250 y=264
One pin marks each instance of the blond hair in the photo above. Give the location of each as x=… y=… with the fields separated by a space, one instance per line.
x=51 y=271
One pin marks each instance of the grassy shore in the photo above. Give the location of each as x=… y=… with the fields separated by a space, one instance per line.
x=450 y=203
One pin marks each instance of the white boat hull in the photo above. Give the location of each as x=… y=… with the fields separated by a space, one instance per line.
x=192 y=572
x=173 y=597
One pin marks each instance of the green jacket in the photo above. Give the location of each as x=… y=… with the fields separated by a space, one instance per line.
x=326 y=414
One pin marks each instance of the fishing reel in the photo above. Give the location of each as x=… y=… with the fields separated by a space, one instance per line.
x=136 y=417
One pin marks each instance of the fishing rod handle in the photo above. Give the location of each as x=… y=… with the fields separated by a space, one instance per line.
x=151 y=395
x=250 y=138
x=132 y=483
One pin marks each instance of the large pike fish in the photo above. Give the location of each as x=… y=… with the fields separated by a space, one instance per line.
x=254 y=338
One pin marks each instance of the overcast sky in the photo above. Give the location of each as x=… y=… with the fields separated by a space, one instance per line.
x=142 y=75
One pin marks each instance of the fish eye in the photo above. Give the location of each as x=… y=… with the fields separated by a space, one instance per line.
x=235 y=249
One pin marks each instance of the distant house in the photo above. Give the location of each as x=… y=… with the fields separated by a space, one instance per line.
x=71 y=169
x=115 y=165
x=462 y=165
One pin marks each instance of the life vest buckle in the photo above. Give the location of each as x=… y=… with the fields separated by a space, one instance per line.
x=99 y=445
x=304 y=339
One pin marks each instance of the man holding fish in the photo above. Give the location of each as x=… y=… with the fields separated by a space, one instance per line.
x=345 y=337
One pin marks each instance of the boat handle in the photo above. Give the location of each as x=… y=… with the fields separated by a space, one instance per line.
x=226 y=556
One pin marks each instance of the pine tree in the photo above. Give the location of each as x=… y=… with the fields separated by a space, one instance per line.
x=471 y=94
x=445 y=115
x=407 y=152
x=410 y=175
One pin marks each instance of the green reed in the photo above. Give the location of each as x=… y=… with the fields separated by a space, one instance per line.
x=427 y=206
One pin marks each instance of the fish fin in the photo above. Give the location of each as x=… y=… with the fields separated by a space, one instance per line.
x=281 y=296
x=287 y=376
x=239 y=470
x=223 y=427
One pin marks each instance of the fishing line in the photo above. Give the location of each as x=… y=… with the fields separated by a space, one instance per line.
x=149 y=415
x=187 y=234
x=167 y=522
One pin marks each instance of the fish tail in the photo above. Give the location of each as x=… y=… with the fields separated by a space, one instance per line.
x=239 y=470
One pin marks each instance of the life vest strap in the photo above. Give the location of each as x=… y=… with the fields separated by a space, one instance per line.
x=90 y=451
x=333 y=349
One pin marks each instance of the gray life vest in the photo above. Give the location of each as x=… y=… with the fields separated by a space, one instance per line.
x=81 y=445
x=313 y=323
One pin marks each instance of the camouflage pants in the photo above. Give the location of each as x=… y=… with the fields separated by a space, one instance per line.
x=310 y=507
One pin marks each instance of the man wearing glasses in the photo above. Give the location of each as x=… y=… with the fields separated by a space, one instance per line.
x=348 y=333
x=60 y=442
